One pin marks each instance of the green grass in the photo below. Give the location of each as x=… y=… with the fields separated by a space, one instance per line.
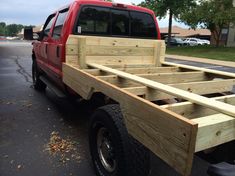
x=210 y=52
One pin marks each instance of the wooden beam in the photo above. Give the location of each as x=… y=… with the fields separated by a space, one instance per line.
x=168 y=135
x=98 y=50
x=190 y=110
x=210 y=103
x=149 y=70
x=201 y=88
x=82 y=52
x=166 y=78
x=121 y=60
x=113 y=41
x=142 y=70
x=214 y=130
x=206 y=70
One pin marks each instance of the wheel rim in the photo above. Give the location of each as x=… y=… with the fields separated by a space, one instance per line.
x=106 y=150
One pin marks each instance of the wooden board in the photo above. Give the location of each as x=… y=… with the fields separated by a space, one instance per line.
x=168 y=135
x=214 y=130
x=200 y=88
x=97 y=72
x=206 y=70
x=166 y=78
x=190 y=110
x=116 y=51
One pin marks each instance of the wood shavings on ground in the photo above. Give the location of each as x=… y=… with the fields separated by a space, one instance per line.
x=65 y=149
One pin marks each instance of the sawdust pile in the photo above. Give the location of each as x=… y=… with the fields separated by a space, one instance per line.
x=65 y=149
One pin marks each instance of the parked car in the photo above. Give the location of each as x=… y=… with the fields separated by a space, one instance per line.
x=190 y=42
x=195 y=42
x=175 y=42
x=206 y=42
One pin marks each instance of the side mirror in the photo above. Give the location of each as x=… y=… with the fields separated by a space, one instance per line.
x=28 y=33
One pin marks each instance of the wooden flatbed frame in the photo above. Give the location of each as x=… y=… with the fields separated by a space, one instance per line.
x=134 y=74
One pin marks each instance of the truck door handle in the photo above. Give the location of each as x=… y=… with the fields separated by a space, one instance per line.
x=57 y=51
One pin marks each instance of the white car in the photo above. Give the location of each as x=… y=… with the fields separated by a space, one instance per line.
x=195 y=42
x=190 y=42
x=206 y=42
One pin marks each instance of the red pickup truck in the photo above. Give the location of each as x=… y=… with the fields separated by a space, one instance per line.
x=93 y=18
x=114 y=152
x=85 y=17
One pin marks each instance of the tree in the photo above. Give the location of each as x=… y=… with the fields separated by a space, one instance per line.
x=211 y=14
x=2 y=28
x=162 y=7
x=13 y=29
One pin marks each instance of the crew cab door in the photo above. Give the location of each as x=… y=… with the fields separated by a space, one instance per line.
x=42 y=46
x=55 y=47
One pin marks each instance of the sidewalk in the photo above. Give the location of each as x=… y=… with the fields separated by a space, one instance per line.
x=203 y=60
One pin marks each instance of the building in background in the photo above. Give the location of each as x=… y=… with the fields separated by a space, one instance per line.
x=186 y=33
x=227 y=37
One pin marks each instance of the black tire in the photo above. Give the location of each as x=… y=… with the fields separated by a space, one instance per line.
x=37 y=83
x=129 y=157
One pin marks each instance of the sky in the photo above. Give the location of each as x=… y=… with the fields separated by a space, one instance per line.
x=32 y=12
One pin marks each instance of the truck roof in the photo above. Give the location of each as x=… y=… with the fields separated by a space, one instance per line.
x=108 y=4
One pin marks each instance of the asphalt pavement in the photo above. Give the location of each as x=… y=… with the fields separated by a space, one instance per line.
x=28 y=118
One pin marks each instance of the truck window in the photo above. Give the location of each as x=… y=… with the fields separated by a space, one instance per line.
x=142 y=25
x=108 y=21
x=48 y=24
x=59 y=24
x=120 y=22
x=94 y=20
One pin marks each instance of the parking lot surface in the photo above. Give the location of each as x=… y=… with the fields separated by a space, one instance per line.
x=28 y=118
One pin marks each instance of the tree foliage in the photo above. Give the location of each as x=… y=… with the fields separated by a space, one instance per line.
x=162 y=7
x=210 y=14
x=2 y=28
x=11 y=29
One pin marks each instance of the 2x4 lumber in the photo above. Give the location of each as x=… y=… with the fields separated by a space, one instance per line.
x=118 y=51
x=214 y=130
x=166 y=78
x=206 y=70
x=190 y=110
x=112 y=41
x=194 y=98
x=201 y=88
x=149 y=70
x=97 y=72
x=82 y=52
x=118 y=66
x=168 y=135
x=120 y=60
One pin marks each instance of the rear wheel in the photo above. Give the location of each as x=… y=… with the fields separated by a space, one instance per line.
x=114 y=152
x=37 y=83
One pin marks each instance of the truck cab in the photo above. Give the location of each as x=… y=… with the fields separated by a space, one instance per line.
x=87 y=17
